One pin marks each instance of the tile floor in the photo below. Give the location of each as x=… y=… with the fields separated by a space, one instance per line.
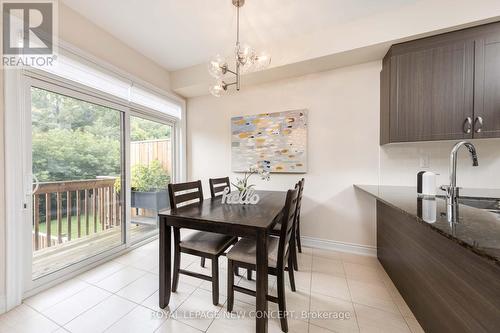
x=122 y=296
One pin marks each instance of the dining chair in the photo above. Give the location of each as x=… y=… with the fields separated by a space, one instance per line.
x=297 y=224
x=243 y=254
x=217 y=186
x=200 y=243
x=295 y=239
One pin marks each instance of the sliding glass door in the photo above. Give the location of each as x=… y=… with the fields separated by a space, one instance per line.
x=77 y=158
x=151 y=171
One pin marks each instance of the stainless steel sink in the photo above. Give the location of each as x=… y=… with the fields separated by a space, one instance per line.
x=492 y=205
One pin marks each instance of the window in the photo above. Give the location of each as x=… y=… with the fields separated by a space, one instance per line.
x=77 y=125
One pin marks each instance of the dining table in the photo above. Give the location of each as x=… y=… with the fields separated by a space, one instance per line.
x=254 y=221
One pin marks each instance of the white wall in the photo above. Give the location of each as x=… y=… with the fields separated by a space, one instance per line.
x=343 y=148
x=343 y=145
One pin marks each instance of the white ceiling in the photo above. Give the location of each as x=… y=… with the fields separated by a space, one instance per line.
x=182 y=33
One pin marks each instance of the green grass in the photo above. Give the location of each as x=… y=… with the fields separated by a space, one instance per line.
x=74 y=226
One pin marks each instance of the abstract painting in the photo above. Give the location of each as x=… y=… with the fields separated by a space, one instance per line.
x=275 y=141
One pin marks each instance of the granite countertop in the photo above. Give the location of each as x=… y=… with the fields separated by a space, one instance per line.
x=477 y=229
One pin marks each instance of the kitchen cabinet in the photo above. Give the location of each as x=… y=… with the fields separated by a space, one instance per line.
x=445 y=87
x=487 y=87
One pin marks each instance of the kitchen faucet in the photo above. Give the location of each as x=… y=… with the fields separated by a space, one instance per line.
x=452 y=191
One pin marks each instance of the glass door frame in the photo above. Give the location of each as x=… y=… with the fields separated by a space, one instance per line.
x=28 y=78
x=151 y=115
x=27 y=152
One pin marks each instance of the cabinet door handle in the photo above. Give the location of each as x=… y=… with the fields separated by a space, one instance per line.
x=468 y=125
x=478 y=124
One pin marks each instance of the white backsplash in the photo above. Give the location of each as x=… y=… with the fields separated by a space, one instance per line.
x=399 y=163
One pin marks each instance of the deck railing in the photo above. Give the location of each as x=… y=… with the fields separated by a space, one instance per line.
x=89 y=206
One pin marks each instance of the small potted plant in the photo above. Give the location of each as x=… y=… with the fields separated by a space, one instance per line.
x=242 y=183
x=149 y=186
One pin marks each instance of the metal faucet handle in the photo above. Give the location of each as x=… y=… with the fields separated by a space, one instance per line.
x=444 y=188
x=450 y=189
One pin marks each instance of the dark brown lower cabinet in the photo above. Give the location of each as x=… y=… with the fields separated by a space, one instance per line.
x=448 y=287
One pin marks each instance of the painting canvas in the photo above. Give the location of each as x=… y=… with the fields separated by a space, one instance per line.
x=274 y=141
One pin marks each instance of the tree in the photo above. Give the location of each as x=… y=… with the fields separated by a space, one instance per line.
x=74 y=139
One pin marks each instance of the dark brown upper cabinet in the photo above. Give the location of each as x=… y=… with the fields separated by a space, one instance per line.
x=487 y=87
x=444 y=87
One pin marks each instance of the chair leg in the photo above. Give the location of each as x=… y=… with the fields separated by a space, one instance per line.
x=230 y=285
x=291 y=274
x=299 y=244
x=281 y=300
x=215 y=280
x=293 y=253
x=236 y=271
x=249 y=274
x=202 y=262
x=177 y=259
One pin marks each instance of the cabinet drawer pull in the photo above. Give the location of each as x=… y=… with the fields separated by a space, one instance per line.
x=478 y=124
x=468 y=125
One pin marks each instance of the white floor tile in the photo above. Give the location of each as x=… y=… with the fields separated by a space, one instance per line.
x=141 y=288
x=317 y=329
x=184 y=290
x=375 y=320
x=100 y=272
x=17 y=315
x=327 y=254
x=36 y=323
x=360 y=259
x=197 y=311
x=73 y=306
x=120 y=279
x=139 y=320
x=339 y=282
x=333 y=313
x=302 y=280
x=24 y=319
x=56 y=294
x=145 y=262
x=100 y=317
x=174 y=326
x=328 y=285
x=372 y=294
x=364 y=273
x=333 y=267
x=304 y=262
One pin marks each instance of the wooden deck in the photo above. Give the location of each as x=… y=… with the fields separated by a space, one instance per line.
x=57 y=257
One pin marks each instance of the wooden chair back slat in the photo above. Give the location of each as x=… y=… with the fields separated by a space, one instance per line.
x=299 y=203
x=177 y=199
x=217 y=186
x=287 y=224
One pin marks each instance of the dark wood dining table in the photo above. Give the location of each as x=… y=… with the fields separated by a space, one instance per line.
x=250 y=221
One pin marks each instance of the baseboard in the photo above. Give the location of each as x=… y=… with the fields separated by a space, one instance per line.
x=327 y=244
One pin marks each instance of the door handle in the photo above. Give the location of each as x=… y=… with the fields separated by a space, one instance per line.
x=467 y=125
x=478 y=124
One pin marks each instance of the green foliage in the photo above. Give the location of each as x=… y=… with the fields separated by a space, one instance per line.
x=73 y=139
x=142 y=129
x=61 y=154
x=149 y=178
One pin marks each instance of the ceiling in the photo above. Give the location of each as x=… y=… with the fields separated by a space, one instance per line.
x=183 y=33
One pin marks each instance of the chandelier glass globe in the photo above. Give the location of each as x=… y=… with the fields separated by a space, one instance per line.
x=216 y=66
x=217 y=89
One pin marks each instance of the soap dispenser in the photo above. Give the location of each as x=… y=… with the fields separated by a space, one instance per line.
x=426 y=183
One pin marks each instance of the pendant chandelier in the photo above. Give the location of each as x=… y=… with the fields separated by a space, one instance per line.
x=245 y=57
